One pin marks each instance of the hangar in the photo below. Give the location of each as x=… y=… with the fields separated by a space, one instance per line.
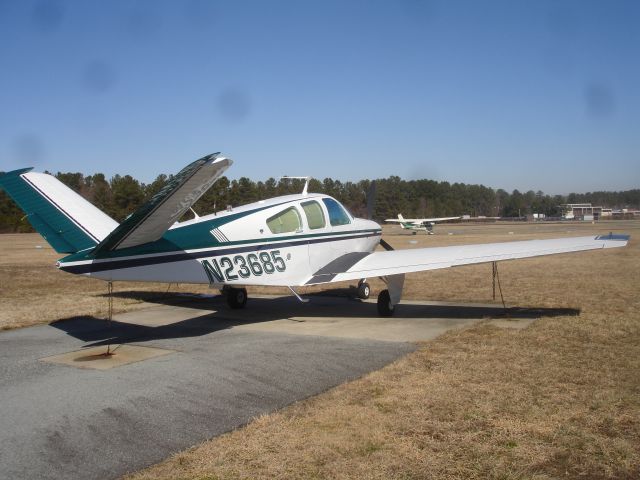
x=580 y=211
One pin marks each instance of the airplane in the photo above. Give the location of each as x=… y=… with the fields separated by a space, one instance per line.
x=289 y=241
x=419 y=224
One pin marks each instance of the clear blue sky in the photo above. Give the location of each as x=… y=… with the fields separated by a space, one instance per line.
x=511 y=94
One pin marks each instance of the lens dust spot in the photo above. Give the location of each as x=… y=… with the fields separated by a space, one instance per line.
x=234 y=105
x=418 y=11
x=420 y=171
x=200 y=13
x=599 y=100
x=143 y=20
x=28 y=150
x=562 y=22
x=47 y=15
x=98 y=77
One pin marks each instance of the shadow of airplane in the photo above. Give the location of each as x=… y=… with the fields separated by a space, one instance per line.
x=103 y=332
x=356 y=307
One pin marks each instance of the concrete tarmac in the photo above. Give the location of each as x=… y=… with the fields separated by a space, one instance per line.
x=225 y=368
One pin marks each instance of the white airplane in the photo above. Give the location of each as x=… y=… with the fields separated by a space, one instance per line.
x=419 y=224
x=290 y=241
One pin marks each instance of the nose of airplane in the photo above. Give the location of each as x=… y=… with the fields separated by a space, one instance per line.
x=364 y=224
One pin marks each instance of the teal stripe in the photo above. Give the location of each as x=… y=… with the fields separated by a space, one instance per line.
x=213 y=243
x=300 y=237
x=120 y=263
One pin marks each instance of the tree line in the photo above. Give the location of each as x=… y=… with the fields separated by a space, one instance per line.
x=121 y=195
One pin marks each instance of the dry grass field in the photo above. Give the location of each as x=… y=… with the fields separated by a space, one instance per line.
x=34 y=291
x=560 y=398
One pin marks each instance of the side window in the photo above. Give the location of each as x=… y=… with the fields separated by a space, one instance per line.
x=314 y=213
x=286 y=221
x=337 y=213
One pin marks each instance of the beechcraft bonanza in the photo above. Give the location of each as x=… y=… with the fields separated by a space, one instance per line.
x=419 y=224
x=290 y=241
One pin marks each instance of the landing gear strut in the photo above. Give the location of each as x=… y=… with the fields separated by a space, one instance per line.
x=236 y=297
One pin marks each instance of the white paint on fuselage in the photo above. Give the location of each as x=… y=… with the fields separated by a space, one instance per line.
x=286 y=259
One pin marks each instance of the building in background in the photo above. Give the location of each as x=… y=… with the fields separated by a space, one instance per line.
x=587 y=212
x=580 y=211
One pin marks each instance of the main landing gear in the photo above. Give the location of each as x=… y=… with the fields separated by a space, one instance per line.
x=236 y=297
x=385 y=307
x=390 y=297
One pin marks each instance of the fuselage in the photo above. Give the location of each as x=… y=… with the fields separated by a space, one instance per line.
x=281 y=241
x=426 y=227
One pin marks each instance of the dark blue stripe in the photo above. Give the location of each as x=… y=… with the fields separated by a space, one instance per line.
x=613 y=236
x=140 y=262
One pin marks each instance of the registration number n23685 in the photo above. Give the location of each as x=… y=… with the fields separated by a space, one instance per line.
x=243 y=266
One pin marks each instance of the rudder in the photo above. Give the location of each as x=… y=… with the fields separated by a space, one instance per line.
x=68 y=222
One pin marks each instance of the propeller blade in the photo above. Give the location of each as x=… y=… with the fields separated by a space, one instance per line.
x=371 y=200
x=385 y=245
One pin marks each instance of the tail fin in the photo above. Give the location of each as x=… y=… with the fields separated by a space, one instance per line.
x=400 y=217
x=66 y=220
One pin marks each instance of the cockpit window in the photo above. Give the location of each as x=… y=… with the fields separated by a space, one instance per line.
x=314 y=213
x=286 y=221
x=337 y=213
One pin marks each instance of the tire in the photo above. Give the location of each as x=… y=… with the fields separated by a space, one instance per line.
x=237 y=297
x=364 y=290
x=385 y=309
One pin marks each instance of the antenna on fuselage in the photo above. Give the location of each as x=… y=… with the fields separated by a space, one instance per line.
x=306 y=183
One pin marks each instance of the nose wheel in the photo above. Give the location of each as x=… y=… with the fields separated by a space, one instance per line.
x=236 y=297
x=364 y=290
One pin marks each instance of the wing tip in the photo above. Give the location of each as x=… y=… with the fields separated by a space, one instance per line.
x=614 y=236
x=220 y=159
x=612 y=240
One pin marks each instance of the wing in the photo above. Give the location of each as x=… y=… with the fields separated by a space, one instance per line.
x=419 y=221
x=440 y=219
x=355 y=266
x=151 y=220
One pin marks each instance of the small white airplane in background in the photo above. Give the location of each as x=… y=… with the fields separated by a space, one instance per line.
x=419 y=224
x=289 y=241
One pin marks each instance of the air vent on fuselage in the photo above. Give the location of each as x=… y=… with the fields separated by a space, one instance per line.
x=218 y=235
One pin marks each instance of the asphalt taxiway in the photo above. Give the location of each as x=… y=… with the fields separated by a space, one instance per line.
x=183 y=373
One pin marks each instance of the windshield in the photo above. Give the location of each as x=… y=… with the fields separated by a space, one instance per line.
x=337 y=214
